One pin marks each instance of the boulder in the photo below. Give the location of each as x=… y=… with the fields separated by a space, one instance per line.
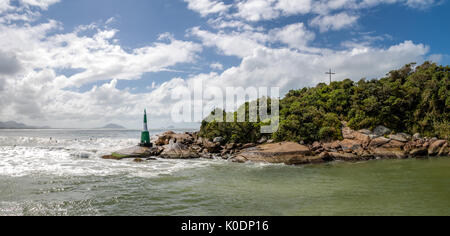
x=316 y=146
x=165 y=138
x=134 y=152
x=349 y=146
x=379 y=142
x=178 y=151
x=287 y=152
x=211 y=147
x=348 y=133
x=398 y=137
x=332 y=147
x=344 y=156
x=394 y=144
x=381 y=130
x=435 y=147
x=365 y=131
x=388 y=153
x=444 y=150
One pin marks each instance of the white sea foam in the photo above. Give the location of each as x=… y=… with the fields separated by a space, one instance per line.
x=21 y=156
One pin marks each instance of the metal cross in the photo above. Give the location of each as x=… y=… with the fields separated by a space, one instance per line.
x=330 y=73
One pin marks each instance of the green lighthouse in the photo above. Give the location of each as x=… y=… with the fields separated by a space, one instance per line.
x=145 y=135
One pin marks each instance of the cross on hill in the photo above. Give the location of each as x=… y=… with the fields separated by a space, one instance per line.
x=330 y=73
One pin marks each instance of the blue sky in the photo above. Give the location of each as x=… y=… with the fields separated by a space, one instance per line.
x=86 y=62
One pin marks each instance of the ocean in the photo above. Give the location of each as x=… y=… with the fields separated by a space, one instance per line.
x=60 y=172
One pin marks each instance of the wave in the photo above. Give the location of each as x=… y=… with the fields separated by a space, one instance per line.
x=25 y=156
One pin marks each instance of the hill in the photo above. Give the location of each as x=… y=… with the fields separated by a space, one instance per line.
x=411 y=100
x=113 y=126
x=15 y=125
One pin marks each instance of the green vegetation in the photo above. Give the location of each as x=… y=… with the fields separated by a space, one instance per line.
x=411 y=100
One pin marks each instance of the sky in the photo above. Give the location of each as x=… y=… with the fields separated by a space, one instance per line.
x=86 y=63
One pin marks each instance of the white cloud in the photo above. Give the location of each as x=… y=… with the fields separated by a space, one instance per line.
x=334 y=22
x=207 y=7
x=36 y=91
x=295 y=35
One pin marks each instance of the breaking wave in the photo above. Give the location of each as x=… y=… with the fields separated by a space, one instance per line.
x=36 y=156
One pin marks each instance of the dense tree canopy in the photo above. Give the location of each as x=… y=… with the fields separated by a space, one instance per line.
x=411 y=99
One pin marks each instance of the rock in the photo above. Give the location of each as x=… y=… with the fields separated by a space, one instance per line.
x=398 y=137
x=379 y=142
x=178 y=151
x=349 y=146
x=248 y=145
x=325 y=156
x=417 y=136
x=199 y=141
x=211 y=147
x=316 y=145
x=344 y=156
x=365 y=131
x=138 y=160
x=405 y=136
x=444 y=150
x=381 y=130
x=394 y=144
x=435 y=147
x=270 y=141
x=218 y=140
x=419 y=152
x=347 y=133
x=287 y=152
x=165 y=138
x=388 y=153
x=356 y=135
x=133 y=152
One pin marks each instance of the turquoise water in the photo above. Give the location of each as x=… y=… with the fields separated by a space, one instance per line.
x=39 y=177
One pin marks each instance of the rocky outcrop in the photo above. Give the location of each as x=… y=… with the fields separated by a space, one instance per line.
x=356 y=146
x=178 y=151
x=287 y=152
x=165 y=138
x=134 y=152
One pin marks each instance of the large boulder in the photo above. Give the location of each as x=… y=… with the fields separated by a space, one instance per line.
x=344 y=156
x=444 y=150
x=363 y=135
x=178 y=151
x=350 y=146
x=394 y=144
x=399 y=137
x=388 y=153
x=165 y=138
x=211 y=147
x=381 y=130
x=134 y=152
x=287 y=152
x=377 y=142
x=435 y=147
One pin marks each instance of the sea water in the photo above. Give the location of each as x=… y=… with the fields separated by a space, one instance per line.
x=60 y=172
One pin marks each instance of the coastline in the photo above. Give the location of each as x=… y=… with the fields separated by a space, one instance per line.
x=362 y=145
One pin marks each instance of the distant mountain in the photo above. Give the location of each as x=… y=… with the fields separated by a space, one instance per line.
x=113 y=126
x=15 y=125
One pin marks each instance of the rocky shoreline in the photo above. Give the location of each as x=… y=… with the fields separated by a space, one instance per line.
x=356 y=146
